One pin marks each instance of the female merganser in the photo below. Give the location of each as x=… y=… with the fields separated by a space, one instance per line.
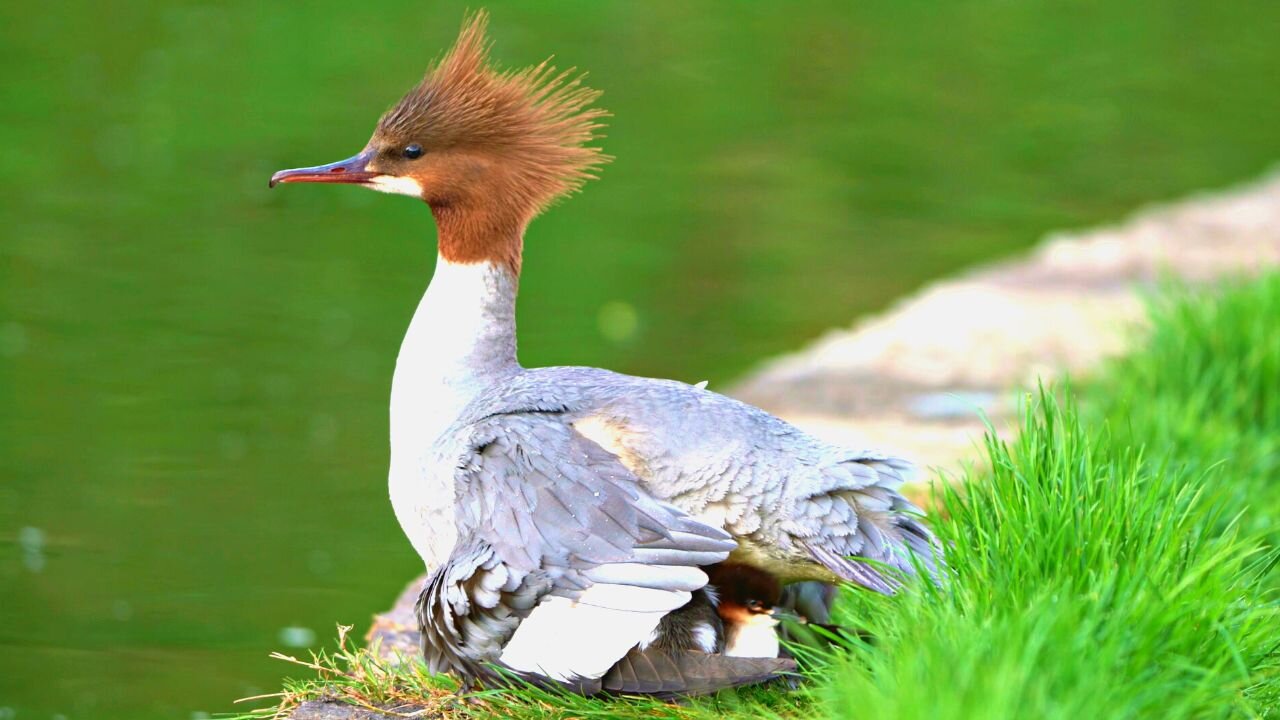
x=565 y=511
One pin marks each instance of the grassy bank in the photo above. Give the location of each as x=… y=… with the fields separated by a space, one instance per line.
x=1115 y=560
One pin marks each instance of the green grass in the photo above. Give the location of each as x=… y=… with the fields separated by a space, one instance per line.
x=1115 y=560
x=1206 y=392
x=1091 y=580
x=403 y=687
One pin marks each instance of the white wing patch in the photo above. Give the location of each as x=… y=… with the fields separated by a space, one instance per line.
x=564 y=639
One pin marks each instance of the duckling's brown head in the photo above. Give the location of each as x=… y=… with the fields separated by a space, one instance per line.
x=486 y=149
x=746 y=594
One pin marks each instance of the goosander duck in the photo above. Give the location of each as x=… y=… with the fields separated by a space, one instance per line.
x=565 y=511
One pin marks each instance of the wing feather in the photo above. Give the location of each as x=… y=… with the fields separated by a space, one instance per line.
x=563 y=563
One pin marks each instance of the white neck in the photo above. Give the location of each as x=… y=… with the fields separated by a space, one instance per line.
x=461 y=339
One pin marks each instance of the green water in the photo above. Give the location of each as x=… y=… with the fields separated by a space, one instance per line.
x=194 y=370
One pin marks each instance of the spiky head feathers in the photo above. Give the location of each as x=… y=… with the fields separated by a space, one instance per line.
x=469 y=132
x=486 y=149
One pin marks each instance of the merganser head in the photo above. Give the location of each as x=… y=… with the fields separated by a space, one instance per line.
x=747 y=596
x=487 y=149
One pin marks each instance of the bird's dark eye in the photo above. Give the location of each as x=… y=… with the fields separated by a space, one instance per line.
x=755 y=605
x=413 y=152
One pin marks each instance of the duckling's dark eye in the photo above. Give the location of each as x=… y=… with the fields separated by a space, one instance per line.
x=755 y=605
x=413 y=152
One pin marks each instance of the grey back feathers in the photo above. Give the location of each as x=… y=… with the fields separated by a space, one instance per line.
x=812 y=510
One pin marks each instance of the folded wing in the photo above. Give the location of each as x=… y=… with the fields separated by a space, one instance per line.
x=563 y=563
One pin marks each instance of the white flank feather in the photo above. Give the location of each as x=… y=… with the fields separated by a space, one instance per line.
x=564 y=639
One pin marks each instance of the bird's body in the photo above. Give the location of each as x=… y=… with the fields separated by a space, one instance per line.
x=752 y=488
x=773 y=487
x=789 y=500
x=568 y=514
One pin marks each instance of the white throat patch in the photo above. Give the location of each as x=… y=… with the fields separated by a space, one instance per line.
x=396 y=185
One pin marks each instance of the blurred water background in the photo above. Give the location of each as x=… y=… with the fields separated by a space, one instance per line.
x=194 y=370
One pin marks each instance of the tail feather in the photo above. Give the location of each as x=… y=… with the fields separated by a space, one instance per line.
x=854 y=571
x=855 y=513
